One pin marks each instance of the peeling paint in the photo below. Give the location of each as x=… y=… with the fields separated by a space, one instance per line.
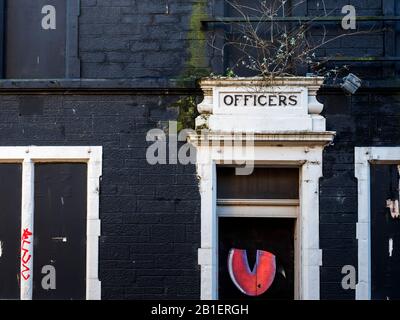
x=390 y=247
x=282 y=271
x=393 y=202
x=167 y=8
x=393 y=205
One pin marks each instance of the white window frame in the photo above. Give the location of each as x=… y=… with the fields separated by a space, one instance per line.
x=309 y=160
x=364 y=156
x=28 y=157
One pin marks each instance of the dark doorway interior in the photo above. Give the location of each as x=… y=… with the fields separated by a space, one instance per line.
x=274 y=235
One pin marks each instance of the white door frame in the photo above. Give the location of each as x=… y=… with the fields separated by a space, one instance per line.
x=363 y=157
x=28 y=156
x=269 y=209
x=309 y=160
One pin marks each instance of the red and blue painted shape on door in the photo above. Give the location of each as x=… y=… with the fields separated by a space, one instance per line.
x=252 y=282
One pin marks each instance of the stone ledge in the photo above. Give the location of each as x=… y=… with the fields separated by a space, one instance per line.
x=96 y=85
x=299 y=138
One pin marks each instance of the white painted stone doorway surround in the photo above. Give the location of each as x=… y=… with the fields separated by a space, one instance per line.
x=276 y=135
x=28 y=156
x=364 y=157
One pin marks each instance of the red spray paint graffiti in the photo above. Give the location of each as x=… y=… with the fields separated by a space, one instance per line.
x=257 y=281
x=25 y=255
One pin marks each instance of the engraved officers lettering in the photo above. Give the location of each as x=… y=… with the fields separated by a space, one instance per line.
x=261 y=100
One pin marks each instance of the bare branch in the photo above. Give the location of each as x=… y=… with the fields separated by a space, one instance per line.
x=270 y=48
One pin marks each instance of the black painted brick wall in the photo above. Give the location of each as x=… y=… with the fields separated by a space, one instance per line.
x=150 y=214
x=165 y=38
x=141 y=39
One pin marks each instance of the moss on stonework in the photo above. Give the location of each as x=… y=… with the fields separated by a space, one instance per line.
x=197 y=65
x=187 y=108
x=204 y=126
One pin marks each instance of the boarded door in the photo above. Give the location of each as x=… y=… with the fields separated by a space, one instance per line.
x=35 y=39
x=10 y=229
x=385 y=233
x=60 y=229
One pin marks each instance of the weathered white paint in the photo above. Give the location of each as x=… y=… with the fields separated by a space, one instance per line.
x=27 y=219
x=93 y=284
x=1 y=249
x=390 y=247
x=363 y=157
x=393 y=205
x=276 y=138
x=302 y=117
x=28 y=156
x=311 y=255
x=258 y=211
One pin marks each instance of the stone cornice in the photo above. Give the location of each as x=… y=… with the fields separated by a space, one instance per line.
x=207 y=138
